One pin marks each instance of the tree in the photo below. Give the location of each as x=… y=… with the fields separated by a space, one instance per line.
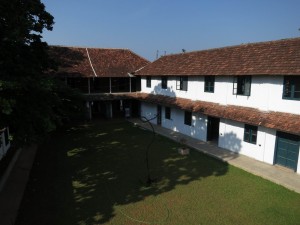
x=31 y=103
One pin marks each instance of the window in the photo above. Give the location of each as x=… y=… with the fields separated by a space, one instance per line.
x=168 y=113
x=182 y=83
x=188 y=118
x=242 y=85
x=291 y=87
x=164 y=82
x=148 y=81
x=250 y=134
x=209 y=84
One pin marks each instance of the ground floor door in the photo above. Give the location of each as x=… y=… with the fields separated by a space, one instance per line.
x=135 y=108
x=287 y=150
x=213 y=125
x=158 y=114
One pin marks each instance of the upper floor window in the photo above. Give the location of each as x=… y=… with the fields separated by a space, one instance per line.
x=168 y=113
x=164 y=82
x=250 y=134
x=291 y=87
x=188 y=118
x=148 y=81
x=242 y=85
x=182 y=83
x=209 y=84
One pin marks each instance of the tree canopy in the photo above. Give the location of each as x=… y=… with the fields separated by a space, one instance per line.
x=31 y=103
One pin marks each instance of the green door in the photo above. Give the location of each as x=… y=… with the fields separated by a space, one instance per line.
x=287 y=150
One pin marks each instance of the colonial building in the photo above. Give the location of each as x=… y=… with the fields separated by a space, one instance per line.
x=103 y=75
x=244 y=98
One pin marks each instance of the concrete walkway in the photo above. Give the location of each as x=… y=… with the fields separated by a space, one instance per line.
x=14 y=182
x=276 y=174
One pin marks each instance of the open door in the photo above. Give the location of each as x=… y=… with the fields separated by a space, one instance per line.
x=213 y=125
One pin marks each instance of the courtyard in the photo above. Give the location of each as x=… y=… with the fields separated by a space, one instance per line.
x=96 y=173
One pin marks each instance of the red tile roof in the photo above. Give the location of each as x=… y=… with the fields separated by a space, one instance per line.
x=285 y=122
x=74 y=61
x=265 y=58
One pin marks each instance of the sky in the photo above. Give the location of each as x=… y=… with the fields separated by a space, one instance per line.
x=148 y=27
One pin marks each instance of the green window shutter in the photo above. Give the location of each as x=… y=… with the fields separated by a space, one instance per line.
x=247 y=86
x=209 y=84
x=291 y=87
x=148 y=81
x=164 y=82
x=250 y=134
x=184 y=83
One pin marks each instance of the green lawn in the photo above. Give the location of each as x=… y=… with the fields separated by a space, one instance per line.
x=96 y=173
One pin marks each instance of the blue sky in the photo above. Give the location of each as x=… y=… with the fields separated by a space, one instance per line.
x=145 y=26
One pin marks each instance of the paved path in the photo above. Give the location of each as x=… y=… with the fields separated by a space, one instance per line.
x=14 y=186
x=282 y=176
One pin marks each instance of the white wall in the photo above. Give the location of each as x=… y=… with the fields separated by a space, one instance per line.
x=149 y=111
x=269 y=136
x=276 y=103
x=266 y=92
x=232 y=135
x=176 y=123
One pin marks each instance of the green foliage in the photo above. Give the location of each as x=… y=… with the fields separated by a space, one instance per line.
x=31 y=103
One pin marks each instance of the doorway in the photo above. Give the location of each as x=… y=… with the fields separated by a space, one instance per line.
x=287 y=150
x=213 y=125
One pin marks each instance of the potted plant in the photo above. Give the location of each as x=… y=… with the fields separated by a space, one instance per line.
x=183 y=149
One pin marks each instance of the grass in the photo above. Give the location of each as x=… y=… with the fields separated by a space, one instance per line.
x=96 y=174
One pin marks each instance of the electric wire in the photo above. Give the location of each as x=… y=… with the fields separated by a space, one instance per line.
x=145 y=120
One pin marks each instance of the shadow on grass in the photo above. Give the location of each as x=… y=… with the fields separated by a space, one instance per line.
x=90 y=173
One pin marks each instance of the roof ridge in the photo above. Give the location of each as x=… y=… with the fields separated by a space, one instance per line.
x=232 y=46
x=68 y=46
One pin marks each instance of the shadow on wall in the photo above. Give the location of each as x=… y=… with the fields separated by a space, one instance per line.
x=157 y=90
x=231 y=142
x=101 y=173
x=200 y=127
